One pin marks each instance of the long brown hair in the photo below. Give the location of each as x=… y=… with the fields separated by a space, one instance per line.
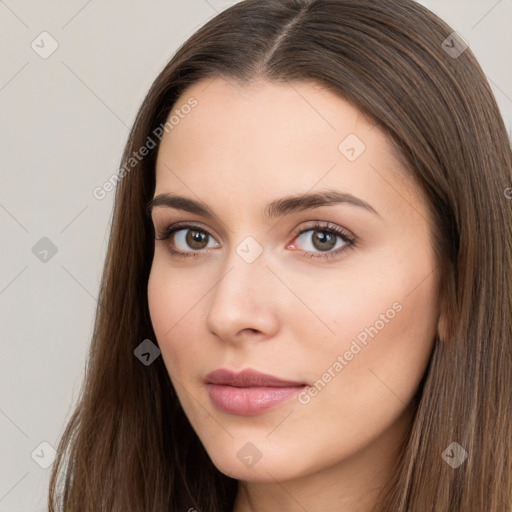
x=129 y=447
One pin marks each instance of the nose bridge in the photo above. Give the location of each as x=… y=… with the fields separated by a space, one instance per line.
x=242 y=297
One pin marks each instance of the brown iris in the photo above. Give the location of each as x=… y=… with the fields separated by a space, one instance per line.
x=323 y=240
x=196 y=239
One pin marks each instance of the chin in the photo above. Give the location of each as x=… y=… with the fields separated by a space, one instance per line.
x=245 y=460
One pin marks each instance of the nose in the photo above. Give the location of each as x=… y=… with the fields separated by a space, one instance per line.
x=244 y=302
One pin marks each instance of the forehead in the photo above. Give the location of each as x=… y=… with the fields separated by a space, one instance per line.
x=272 y=136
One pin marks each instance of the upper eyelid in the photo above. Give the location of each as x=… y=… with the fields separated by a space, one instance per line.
x=328 y=226
x=178 y=226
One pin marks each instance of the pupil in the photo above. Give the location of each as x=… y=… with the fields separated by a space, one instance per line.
x=324 y=241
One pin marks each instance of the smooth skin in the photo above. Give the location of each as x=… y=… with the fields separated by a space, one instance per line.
x=293 y=310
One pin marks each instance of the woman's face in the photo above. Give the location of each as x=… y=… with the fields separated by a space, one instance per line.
x=334 y=293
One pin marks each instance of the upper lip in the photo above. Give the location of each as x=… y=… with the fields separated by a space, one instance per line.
x=247 y=378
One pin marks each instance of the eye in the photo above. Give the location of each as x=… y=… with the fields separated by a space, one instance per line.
x=323 y=240
x=320 y=240
x=187 y=240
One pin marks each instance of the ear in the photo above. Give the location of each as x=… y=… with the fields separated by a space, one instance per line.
x=447 y=315
x=443 y=327
x=447 y=308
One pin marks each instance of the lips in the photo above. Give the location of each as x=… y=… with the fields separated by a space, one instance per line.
x=249 y=392
x=248 y=378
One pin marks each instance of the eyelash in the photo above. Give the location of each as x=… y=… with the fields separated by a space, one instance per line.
x=325 y=227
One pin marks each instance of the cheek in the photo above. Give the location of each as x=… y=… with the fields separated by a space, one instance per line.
x=384 y=325
x=174 y=304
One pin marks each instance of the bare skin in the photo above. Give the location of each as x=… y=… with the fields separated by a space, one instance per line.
x=294 y=311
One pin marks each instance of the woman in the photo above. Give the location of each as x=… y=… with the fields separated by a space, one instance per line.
x=306 y=302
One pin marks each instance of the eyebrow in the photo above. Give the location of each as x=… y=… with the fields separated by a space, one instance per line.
x=277 y=208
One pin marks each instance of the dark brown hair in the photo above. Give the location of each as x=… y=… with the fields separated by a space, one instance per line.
x=128 y=446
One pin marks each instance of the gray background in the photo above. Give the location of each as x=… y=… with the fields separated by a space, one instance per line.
x=65 y=120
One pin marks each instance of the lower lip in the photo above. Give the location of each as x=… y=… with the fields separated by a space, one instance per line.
x=250 y=401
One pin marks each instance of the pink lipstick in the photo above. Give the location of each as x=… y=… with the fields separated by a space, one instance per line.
x=249 y=392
